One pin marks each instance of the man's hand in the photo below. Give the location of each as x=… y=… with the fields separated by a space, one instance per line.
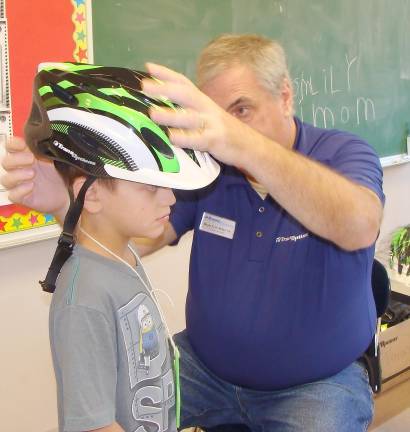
x=200 y=124
x=148 y=246
x=32 y=182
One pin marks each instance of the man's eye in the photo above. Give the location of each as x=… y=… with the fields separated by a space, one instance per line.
x=241 y=111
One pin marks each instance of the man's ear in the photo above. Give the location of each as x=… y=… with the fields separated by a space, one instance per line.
x=92 y=202
x=287 y=97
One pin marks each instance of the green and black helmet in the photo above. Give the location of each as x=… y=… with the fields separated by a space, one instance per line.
x=96 y=118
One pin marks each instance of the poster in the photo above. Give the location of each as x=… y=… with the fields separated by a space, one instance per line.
x=18 y=224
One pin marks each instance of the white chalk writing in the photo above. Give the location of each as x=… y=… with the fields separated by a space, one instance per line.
x=344 y=106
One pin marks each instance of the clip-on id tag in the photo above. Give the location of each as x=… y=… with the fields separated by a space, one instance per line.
x=177 y=386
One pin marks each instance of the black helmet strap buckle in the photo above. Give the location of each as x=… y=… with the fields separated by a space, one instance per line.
x=66 y=240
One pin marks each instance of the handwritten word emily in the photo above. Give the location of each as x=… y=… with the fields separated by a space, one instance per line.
x=308 y=89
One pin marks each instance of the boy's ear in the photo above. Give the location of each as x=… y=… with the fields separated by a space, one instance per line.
x=92 y=202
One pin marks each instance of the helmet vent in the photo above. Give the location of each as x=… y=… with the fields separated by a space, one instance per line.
x=63 y=95
x=192 y=155
x=154 y=140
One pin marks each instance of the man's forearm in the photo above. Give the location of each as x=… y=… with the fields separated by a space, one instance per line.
x=325 y=202
x=148 y=246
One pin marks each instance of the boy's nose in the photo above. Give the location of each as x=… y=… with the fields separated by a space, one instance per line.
x=167 y=196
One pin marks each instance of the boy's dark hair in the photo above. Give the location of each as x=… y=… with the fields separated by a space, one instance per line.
x=66 y=240
x=69 y=173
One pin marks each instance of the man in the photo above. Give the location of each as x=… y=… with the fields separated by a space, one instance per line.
x=280 y=305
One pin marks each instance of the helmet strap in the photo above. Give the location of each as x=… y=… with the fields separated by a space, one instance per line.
x=66 y=240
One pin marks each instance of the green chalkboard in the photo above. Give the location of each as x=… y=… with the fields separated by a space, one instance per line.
x=349 y=60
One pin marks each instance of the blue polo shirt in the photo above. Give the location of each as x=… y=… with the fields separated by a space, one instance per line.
x=271 y=305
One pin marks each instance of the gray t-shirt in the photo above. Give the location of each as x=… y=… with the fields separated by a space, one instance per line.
x=110 y=351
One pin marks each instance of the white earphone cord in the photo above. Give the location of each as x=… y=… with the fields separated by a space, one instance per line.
x=151 y=291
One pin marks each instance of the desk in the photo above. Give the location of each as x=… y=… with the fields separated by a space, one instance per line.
x=392 y=409
x=395 y=341
x=400 y=291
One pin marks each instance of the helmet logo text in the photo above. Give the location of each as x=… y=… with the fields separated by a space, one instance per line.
x=72 y=154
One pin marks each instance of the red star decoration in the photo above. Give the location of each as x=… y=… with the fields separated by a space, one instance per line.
x=82 y=54
x=10 y=209
x=80 y=17
x=2 y=225
x=33 y=219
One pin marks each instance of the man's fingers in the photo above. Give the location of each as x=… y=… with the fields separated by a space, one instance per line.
x=15 y=177
x=19 y=193
x=184 y=138
x=181 y=94
x=181 y=118
x=165 y=74
x=13 y=160
x=15 y=144
x=190 y=126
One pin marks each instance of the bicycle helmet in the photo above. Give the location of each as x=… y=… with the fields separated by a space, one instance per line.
x=96 y=118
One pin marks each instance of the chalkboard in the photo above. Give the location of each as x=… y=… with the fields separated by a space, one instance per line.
x=349 y=60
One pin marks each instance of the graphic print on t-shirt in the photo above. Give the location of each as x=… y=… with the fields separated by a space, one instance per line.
x=148 y=346
x=149 y=368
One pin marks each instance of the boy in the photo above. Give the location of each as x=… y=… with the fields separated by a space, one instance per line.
x=108 y=338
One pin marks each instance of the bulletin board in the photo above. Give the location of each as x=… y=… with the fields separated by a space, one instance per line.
x=67 y=19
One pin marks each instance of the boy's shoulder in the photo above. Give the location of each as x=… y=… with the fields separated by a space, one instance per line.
x=90 y=280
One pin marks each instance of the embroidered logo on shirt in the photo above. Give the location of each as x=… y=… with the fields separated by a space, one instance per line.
x=217 y=225
x=293 y=238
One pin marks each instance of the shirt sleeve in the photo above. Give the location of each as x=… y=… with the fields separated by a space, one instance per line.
x=359 y=162
x=85 y=348
x=183 y=212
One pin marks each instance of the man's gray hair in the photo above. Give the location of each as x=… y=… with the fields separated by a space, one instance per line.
x=264 y=56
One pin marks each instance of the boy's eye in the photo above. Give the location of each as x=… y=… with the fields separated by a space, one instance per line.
x=151 y=188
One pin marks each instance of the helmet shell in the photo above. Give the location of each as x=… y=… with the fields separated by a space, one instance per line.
x=96 y=118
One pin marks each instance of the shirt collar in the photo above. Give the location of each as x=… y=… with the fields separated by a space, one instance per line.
x=232 y=176
x=299 y=134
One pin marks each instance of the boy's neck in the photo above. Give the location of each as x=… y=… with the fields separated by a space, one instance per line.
x=116 y=244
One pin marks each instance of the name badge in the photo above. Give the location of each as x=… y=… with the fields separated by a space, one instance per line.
x=217 y=225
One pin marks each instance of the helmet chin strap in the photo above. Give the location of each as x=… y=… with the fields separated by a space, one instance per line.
x=66 y=241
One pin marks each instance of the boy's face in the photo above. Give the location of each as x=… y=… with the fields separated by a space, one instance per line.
x=136 y=209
